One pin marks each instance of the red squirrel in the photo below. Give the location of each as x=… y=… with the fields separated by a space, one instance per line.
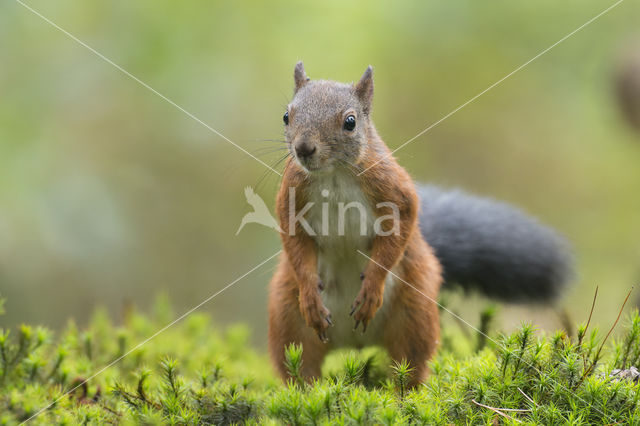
x=355 y=239
x=374 y=283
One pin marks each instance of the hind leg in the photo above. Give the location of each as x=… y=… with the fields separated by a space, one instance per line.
x=412 y=339
x=412 y=330
x=287 y=326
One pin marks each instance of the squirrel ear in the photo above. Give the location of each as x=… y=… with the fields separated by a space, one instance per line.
x=364 y=89
x=299 y=76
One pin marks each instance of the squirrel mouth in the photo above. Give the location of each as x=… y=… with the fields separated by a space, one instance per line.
x=308 y=165
x=314 y=165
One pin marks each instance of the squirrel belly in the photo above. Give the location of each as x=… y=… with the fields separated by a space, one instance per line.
x=342 y=219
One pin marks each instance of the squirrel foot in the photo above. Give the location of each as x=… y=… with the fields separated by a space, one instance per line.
x=316 y=315
x=366 y=305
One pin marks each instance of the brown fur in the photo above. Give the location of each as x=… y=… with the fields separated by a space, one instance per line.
x=296 y=309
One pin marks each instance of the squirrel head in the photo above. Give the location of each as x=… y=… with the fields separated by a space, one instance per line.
x=327 y=123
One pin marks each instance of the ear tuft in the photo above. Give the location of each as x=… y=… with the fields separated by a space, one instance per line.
x=299 y=76
x=364 y=89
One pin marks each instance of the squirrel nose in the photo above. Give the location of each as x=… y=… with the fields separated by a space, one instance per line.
x=304 y=150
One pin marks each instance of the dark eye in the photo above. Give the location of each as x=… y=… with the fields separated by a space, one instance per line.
x=350 y=123
x=285 y=118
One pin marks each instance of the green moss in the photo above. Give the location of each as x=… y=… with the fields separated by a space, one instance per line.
x=194 y=373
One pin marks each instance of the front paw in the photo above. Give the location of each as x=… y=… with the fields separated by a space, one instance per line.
x=366 y=305
x=316 y=315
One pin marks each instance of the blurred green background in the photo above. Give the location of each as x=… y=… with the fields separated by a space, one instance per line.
x=109 y=195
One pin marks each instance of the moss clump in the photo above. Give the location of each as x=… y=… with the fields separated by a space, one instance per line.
x=194 y=374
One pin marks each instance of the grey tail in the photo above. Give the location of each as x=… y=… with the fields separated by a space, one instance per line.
x=493 y=247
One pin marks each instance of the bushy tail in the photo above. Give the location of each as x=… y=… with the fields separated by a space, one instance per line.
x=493 y=247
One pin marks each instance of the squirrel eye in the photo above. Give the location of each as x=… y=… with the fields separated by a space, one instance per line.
x=285 y=118
x=350 y=123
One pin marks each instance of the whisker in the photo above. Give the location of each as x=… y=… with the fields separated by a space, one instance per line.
x=354 y=168
x=286 y=166
x=269 y=172
x=268 y=150
x=282 y=159
x=271 y=140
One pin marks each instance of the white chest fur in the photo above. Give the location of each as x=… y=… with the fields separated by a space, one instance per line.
x=342 y=218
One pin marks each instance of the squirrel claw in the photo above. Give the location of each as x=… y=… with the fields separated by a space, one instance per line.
x=364 y=325
x=354 y=308
x=323 y=337
x=329 y=321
